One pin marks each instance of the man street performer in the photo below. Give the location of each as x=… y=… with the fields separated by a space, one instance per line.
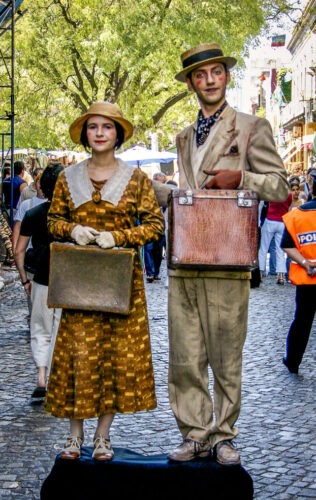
x=208 y=310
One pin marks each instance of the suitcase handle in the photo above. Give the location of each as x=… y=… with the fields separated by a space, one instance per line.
x=242 y=199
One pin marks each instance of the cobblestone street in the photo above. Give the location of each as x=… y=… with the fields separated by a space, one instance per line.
x=277 y=422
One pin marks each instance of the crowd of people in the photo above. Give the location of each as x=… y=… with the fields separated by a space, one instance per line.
x=272 y=226
x=100 y=363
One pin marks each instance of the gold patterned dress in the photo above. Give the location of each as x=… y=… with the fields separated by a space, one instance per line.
x=102 y=362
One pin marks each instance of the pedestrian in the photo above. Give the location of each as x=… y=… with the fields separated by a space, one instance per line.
x=30 y=191
x=102 y=362
x=208 y=309
x=273 y=227
x=295 y=190
x=6 y=236
x=309 y=182
x=153 y=251
x=18 y=184
x=299 y=242
x=34 y=225
x=26 y=205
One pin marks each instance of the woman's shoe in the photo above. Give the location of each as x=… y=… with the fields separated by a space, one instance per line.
x=72 y=449
x=9 y=263
x=39 y=392
x=280 y=279
x=102 y=449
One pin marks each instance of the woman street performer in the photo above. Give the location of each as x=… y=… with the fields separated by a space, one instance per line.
x=102 y=362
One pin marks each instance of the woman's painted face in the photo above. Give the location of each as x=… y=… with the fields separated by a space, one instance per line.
x=101 y=133
x=295 y=191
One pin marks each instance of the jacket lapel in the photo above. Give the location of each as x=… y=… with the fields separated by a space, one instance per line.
x=184 y=146
x=223 y=137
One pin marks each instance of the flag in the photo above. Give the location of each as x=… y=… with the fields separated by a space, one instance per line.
x=278 y=41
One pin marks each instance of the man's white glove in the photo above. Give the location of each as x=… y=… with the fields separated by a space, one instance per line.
x=105 y=240
x=83 y=234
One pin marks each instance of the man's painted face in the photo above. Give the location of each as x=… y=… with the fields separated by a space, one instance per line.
x=209 y=83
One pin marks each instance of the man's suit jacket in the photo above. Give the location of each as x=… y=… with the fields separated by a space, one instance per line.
x=240 y=142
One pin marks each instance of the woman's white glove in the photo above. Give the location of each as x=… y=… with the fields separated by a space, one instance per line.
x=83 y=234
x=105 y=240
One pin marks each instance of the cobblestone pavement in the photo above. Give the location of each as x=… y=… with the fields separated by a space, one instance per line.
x=277 y=421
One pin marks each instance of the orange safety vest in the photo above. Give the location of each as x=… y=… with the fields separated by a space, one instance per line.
x=301 y=224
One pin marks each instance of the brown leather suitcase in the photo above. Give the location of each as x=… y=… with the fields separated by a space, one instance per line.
x=90 y=278
x=213 y=229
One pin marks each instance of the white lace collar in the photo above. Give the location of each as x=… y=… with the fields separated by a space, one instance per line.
x=81 y=188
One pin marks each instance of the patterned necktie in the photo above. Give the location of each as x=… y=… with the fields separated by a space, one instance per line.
x=204 y=125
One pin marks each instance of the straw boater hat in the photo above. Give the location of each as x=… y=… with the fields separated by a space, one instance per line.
x=102 y=108
x=203 y=54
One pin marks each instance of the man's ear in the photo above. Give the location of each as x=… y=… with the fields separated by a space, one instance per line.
x=228 y=78
x=189 y=84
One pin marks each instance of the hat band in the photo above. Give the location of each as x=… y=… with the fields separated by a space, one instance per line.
x=202 y=56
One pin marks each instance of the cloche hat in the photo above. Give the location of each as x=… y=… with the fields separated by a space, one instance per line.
x=203 y=54
x=102 y=108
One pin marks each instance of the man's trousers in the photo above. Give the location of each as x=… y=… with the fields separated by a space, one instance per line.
x=207 y=326
x=43 y=319
x=301 y=326
x=153 y=256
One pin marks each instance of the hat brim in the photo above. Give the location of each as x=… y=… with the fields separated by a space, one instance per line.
x=229 y=61
x=75 y=128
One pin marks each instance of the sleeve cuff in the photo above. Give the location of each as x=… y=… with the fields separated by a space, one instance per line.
x=242 y=180
x=119 y=238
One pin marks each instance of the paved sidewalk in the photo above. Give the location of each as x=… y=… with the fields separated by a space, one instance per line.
x=277 y=421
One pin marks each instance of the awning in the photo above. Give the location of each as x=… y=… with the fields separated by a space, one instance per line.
x=293 y=154
x=287 y=151
x=308 y=146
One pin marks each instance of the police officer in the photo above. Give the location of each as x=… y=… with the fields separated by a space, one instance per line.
x=299 y=242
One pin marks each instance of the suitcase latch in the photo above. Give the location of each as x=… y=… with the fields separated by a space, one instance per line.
x=242 y=201
x=186 y=198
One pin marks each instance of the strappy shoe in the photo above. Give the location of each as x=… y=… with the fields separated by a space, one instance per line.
x=102 y=449
x=280 y=279
x=72 y=449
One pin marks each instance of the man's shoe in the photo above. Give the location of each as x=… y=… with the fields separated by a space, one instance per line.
x=291 y=368
x=150 y=279
x=226 y=453
x=72 y=449
x=189 y=450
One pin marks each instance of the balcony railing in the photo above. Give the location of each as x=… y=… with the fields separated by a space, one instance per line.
x=296 y=108
x=291 y=110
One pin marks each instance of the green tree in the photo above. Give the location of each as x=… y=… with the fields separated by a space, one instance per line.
x=284 y=78
x=73 y=52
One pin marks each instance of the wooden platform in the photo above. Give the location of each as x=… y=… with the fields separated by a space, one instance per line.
x=132 y=475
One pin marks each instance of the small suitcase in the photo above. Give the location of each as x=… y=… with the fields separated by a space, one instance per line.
x=213 y=229
x=90 y=278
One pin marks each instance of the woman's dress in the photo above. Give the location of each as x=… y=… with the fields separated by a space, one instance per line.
x=102 y=362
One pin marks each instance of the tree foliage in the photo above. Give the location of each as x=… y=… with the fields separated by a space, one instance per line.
x=285 y=83
x=73 y=52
